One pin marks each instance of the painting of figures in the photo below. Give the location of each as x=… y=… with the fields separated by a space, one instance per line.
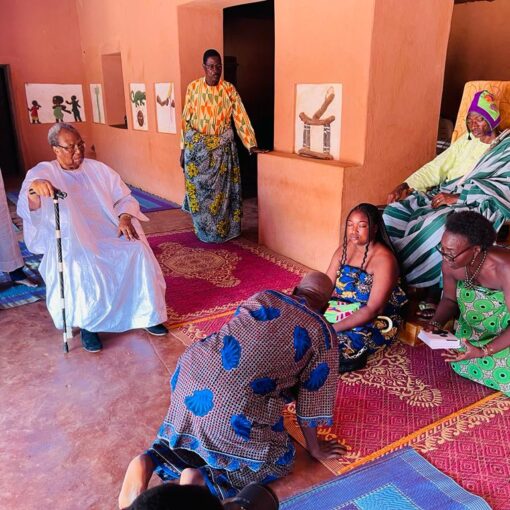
x=54 y=102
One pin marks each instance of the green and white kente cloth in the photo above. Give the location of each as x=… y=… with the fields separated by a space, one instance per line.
x=483 y=317
x=415 y=228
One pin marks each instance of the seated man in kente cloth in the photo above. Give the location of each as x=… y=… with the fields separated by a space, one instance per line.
x=112 y=280
x=229 y=391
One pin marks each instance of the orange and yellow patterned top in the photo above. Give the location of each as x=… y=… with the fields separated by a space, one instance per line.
x=207 y=109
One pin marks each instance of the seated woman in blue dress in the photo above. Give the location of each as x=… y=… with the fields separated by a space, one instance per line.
x=366 y=272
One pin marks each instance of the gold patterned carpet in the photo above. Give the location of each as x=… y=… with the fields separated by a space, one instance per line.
x=205 y=280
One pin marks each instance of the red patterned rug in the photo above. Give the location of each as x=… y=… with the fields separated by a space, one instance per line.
x=211 y=279
x=406 y=395
x=473 y=448
x=200 y=328
x=409 y=396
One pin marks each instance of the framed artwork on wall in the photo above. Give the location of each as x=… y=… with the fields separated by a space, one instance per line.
x=318 y=119
x=54 y=102
x=96 y=97
x=137 y=96
x=165 y=107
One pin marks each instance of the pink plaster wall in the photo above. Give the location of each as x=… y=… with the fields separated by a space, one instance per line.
x=477 y=50
x=40 y=41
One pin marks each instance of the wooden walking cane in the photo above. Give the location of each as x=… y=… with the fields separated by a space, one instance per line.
x=68 y=334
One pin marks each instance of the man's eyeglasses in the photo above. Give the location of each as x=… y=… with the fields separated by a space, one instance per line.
x=212 y=67
x=70 y=149
x=449 y=257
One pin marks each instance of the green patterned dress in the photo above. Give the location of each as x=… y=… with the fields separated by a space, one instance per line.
x=483 y=317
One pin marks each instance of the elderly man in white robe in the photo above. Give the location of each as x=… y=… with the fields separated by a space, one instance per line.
x=113 y=282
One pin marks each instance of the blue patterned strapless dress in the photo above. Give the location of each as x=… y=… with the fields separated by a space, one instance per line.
x=353 y=285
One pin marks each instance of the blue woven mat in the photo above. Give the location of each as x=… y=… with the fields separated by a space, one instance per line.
x=17 y=295
x=401 y=480
x=151 y=203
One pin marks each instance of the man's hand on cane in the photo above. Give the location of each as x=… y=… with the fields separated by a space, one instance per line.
x=126 y=228
x=42 y=187
x=39 y=188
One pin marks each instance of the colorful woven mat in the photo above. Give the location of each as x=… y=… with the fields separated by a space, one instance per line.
x=410 y=396
x=401 y=480
x=151 y=203
x=13 y=196
x=12 y=295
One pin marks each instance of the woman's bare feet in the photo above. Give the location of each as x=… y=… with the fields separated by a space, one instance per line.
x=136 y=479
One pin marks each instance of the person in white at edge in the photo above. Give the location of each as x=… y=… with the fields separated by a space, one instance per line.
x=113 y=282
x=11 y=260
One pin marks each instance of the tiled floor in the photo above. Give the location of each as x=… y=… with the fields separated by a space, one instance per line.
x=70 y=423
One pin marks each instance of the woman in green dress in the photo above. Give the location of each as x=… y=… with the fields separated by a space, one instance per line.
x=476 y=277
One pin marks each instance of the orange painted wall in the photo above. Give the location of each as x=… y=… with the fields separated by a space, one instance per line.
x=409 y=43
x=299 y=207
x=40 y=41
x=300 y=199
x=153 y=50
x=477 y=50
x=113 y=89
x=319 y=41
x=389 y=55
x=200 y=28
x=148 y=50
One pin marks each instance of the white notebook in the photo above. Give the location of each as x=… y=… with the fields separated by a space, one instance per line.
x=439 y=339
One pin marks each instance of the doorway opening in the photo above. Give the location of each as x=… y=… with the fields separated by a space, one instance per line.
x=248 y=49
x=10 y=158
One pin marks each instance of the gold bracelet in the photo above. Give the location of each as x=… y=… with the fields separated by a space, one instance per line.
x=485 y=350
